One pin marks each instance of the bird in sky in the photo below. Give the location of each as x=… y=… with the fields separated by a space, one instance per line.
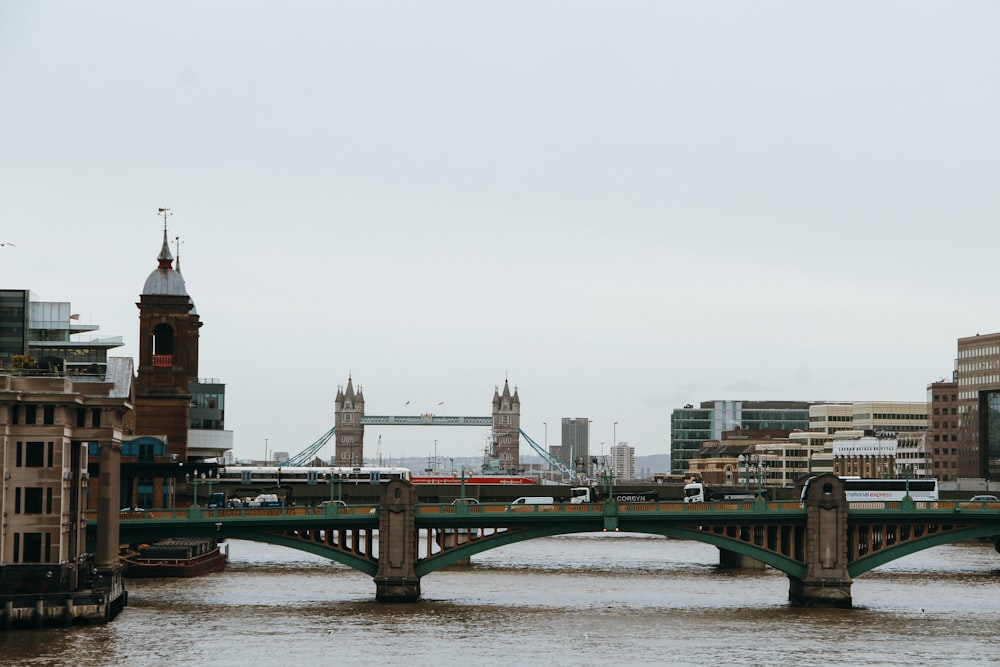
x=10 y=244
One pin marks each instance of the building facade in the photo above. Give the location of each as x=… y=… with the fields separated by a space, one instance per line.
x=622 y=461
x=942 y=401
x=690 y=426
x=48 y=426
x=977 y=374
x=576 y=443
x=46 y=332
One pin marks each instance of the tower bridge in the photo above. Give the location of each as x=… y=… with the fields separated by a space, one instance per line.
x=821 y=544
x=505 y=429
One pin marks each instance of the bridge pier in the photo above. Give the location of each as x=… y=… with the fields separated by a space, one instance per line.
x=827 y=582
x=730 y=560
x=396 y=579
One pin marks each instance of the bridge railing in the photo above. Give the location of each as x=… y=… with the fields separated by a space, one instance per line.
x=241 y=512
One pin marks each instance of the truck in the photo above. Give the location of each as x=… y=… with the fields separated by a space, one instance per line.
x=265 y=500
x=699 y=492
x=583 y=494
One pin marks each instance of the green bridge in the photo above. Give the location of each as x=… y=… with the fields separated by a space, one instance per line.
x=821 y=545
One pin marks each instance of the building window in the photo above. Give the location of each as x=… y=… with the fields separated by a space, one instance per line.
x=48 y=414
x=32 y=548
x=33 y=500
x=48 y=500
x=96 y=417
x=81 y=416
x=34 y=455
x=30 y=414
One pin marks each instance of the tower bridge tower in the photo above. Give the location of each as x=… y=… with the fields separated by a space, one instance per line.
x=506 y=428
x=349 y=409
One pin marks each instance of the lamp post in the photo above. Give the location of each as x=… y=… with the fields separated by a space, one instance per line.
x=751 y=465
x=463 y=485
x=614 y=443
x=546 y=425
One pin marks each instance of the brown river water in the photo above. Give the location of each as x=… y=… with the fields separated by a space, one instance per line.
x=572 y=600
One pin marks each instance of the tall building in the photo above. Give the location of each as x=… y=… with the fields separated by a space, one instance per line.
x=690 y=426
x=47 y=333
x=623 y=461
x=977 y=372
x=942 y=401
x=48 y=424
x=576 y=443
x=171 y=402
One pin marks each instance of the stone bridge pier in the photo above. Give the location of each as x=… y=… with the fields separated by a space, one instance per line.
x=827 y=582
x=396 y=579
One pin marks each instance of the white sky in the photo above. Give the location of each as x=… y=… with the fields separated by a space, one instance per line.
x=621 y=206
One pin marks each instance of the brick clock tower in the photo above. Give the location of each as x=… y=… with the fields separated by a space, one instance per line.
x=349 y=408
x=168 y=354
x=506 y=428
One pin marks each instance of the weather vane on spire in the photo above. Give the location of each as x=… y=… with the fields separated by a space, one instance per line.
x=165 y=212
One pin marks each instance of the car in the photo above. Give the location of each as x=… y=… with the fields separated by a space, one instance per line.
x=467 y=501
x=337 y=503
x=984 y=499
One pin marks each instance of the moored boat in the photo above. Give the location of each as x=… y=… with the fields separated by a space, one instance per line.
x=177 y=557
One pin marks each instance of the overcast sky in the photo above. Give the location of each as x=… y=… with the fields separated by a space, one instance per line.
x=620 y=206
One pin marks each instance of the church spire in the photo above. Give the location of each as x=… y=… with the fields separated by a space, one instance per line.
x=165 y=258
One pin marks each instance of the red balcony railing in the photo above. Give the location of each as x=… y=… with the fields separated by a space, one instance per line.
x=163 y=360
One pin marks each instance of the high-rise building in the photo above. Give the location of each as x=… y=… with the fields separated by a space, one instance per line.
x=977 y=372
x=942 y=402
x=576 y=443
x=623 y=461
x=690 y=426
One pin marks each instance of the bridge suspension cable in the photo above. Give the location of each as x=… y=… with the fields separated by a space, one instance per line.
x=306 y=455
x=547 y=457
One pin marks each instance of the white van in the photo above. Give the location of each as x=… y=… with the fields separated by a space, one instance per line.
x=524 y=501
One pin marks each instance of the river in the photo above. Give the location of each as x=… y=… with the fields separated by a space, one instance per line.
x=571 y=600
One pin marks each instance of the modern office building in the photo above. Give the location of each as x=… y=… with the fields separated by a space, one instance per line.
x=576 y=443
x=690 y=426
x=622 y=461
x=48 y=334
x=977 y=373
x=48 y=425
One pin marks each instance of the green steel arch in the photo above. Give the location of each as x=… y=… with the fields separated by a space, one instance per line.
x=512 y=536
x=888 y=554
x=283 y=540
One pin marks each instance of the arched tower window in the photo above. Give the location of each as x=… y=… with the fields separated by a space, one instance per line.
x=163 y=345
